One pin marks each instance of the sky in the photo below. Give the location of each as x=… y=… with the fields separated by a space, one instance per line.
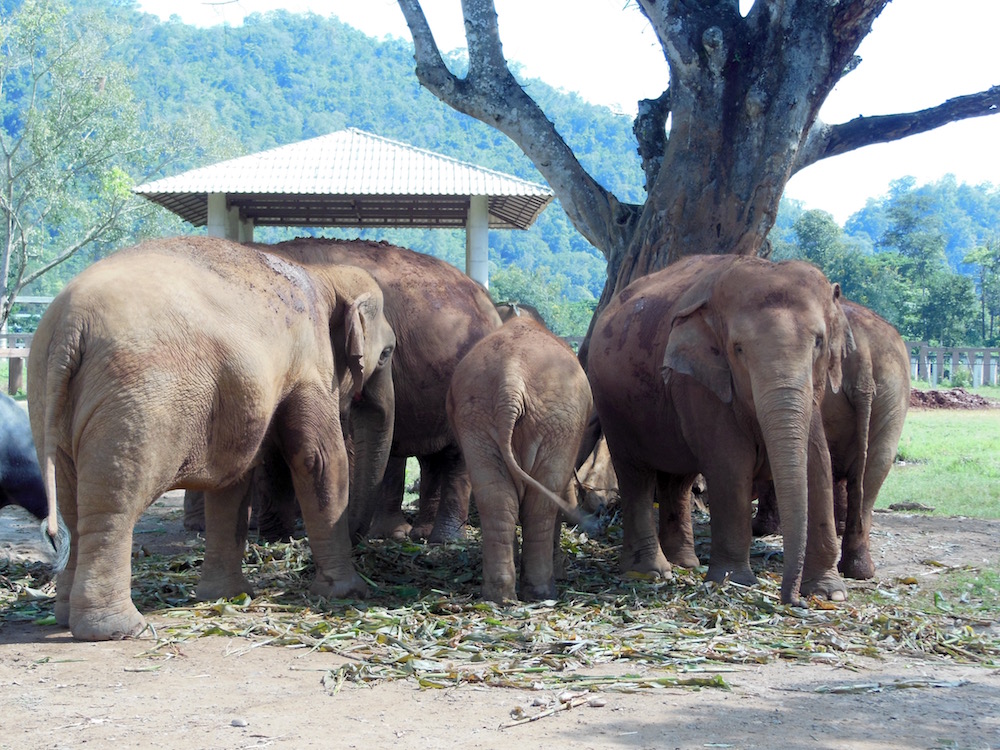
x=917 y=56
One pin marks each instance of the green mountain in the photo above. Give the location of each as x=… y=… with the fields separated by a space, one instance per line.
x=283 y=77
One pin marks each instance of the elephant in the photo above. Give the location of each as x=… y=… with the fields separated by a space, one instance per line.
x=717 y=365
x=20 y=478
x=595 y=480
x=180 y=363
x=518 y=403
x=863 y=423
x=438 y=314
x=21 y=481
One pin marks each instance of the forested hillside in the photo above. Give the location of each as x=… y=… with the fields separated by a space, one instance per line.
x=224 y=91
x=284 y=77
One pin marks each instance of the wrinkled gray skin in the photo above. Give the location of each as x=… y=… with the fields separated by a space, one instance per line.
x=20 y=478
x=863 y=424
x=518 y=403
x=438 y=314
x=717 y=365
x=181 y=363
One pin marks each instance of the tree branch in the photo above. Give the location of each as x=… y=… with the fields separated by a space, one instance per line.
x=825 y=141
x=491 y=94
x=650 y=129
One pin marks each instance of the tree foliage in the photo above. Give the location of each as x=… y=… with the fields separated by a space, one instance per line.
x=72 y=144
x=932 y=268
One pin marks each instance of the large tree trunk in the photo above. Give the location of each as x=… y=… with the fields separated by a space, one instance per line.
x=742 y=103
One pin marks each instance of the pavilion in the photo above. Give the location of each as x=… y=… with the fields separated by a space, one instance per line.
x=352 y=178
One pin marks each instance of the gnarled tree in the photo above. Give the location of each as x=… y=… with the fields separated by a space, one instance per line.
x=742 y=103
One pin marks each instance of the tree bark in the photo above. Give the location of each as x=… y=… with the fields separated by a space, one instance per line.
x=742 y=101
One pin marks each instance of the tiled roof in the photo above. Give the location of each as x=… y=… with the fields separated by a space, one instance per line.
x=351 y=178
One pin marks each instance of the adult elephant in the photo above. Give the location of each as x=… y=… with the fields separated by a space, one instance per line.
x=863 y=424
x=717 y=365
x=180 y=363
x=438 y=314
x=519 y=403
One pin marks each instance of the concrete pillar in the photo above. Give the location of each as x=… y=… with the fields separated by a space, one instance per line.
x=218 y=218
x=233 y=224
x=246 y=231
x=477 y=224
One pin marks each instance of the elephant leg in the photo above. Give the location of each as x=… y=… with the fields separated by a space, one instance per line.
x=497 y=503
x=855 y=558
x=66 y=492
x=273 y=500
x=312 y=441
x=819 y=570
x=730 y=489
x=641 y=554
x=840 y=501
x=194 y=510
x=452 y=488
x=538 y=524
x=389 y=521
x=226 y=514
x=673 y=495
x=766 y=520
x=100 y=597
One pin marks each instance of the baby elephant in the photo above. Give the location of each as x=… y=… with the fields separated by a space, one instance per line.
x=518 y=404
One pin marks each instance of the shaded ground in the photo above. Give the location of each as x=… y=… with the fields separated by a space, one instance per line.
x=242 y=690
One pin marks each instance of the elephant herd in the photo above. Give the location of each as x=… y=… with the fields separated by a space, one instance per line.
x=197 y=363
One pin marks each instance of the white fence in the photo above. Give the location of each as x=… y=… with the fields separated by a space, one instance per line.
x=936 y=363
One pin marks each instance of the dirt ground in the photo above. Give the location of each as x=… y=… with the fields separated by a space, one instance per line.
x=220 y=692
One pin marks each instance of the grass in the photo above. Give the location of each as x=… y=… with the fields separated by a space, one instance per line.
x=948 y=460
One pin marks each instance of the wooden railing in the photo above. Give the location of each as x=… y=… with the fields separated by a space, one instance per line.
x=14 y=348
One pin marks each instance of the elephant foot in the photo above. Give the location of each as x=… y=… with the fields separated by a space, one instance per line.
x=828 y=585
x=421 y=531
x=766 y=525
x=391 y=526
x=351 y=587
x=446 y=533
x=648 y=566
x=499 y=591
x=104 y=625
x=539 y=592
x=857 y=564
x=683 y=557
x=740 y=574
x=210 y=590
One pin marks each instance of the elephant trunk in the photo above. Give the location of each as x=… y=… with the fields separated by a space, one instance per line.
x=371 y=428
x=785 y=413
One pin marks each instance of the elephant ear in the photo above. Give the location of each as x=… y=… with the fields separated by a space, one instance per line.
x=841 y=342
x=354 y=333
x=694 y=349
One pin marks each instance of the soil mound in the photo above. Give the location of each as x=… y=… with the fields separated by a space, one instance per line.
x=954 y=398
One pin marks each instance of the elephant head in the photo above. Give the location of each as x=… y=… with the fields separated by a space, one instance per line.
x=767 y=338
x=363 y=344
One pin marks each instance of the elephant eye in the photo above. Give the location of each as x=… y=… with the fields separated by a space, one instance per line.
x=819 y=341
x=385 y=355
x=738 y=348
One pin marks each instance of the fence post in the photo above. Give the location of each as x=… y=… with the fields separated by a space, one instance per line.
x=15 y=375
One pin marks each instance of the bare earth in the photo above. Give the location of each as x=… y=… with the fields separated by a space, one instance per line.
x=218 y=692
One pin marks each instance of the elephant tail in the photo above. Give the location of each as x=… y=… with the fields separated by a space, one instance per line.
x=62 y=362
x=576 y=517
